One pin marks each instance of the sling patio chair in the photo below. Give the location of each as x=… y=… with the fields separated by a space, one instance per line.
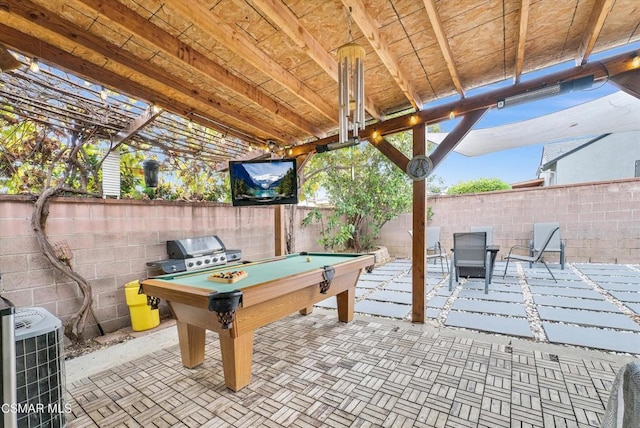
x=623 y=406
x=434 y=249
x=538 y=257
x=488 y=229
x=556 y=245
x=470 y=258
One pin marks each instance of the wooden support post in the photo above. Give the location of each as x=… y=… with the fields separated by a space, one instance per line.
x=278 y=230
x=418 y=253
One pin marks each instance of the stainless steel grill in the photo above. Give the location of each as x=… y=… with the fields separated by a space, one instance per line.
x=192 y=254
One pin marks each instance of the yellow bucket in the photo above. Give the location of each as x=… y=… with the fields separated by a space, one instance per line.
x=142 y=316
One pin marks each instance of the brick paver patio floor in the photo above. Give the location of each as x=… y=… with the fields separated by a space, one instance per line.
x=315 y=371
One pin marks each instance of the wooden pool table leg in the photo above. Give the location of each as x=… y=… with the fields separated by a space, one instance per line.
x=346 y=300
x=237 y=354
x=306 y=311
x=191 y=340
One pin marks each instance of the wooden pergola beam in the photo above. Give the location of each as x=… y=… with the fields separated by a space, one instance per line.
x=599 y=13
x=601 y=70
x=391 y=152
x=194 y=60
x=370 y=30
x=136 y=125
x=282 y=16
x=89 y=71
x=628 y=82
x=453 y=138
x=29 y=45
x=522 y=39
x=443 y=42
x=246 y=49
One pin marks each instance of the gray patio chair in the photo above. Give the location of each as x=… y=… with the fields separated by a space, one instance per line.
x=623 y=406
x=434 y=249
x=487 y=229
x=538 y=257
x=470 y=258
x=556 y=245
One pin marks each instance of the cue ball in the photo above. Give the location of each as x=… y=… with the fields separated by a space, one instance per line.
x=308 y=258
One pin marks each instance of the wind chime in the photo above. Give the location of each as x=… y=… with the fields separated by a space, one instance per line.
x=351 y=89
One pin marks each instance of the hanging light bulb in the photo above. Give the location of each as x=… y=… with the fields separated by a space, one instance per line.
x=103 y=93
x=155 y=110
x=351 y=88
x=33 y=66
x=452 y=115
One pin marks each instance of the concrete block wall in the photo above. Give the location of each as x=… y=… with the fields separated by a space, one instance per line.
x=112 y=240
x=599 y=221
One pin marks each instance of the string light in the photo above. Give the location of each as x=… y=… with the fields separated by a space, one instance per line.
x=103 y=93
x=452 y=115
x=34 y=66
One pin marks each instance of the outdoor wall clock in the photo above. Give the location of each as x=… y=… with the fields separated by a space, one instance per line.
x=419 y=167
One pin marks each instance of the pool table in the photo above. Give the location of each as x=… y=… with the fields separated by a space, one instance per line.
x=274 y=288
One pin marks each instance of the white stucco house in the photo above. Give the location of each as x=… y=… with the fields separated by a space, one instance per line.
x=605 y=157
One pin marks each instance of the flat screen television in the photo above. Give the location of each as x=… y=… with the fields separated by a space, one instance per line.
x=263 y=182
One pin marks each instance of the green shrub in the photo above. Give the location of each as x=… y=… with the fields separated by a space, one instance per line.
x=478 y=186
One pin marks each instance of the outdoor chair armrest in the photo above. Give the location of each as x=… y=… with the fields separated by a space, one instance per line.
x=523 y=247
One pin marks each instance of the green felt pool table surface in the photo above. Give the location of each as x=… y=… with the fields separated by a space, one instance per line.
x=259 y=272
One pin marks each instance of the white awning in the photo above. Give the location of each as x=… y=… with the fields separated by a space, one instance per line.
x=618 y=112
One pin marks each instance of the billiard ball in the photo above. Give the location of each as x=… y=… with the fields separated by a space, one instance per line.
x=308 y=259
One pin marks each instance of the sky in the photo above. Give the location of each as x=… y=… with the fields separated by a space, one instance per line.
x=521 y=164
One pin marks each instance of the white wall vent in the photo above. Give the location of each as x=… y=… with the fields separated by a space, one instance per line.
x=111 y=174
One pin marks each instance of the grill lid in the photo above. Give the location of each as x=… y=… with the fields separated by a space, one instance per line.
x=194 y=247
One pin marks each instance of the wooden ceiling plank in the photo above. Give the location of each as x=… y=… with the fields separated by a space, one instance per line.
x=445 y=48
x=120 y=15
x=282 y=16
x=599 y=13
x=370 y=30
x=27 y=44
x=522 y=39
x=27 y=10
x=236 y=42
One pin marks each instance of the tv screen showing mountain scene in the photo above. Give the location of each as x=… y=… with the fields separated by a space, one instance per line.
x=265 y=182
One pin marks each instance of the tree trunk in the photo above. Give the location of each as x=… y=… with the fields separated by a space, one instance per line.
x=74 y=327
